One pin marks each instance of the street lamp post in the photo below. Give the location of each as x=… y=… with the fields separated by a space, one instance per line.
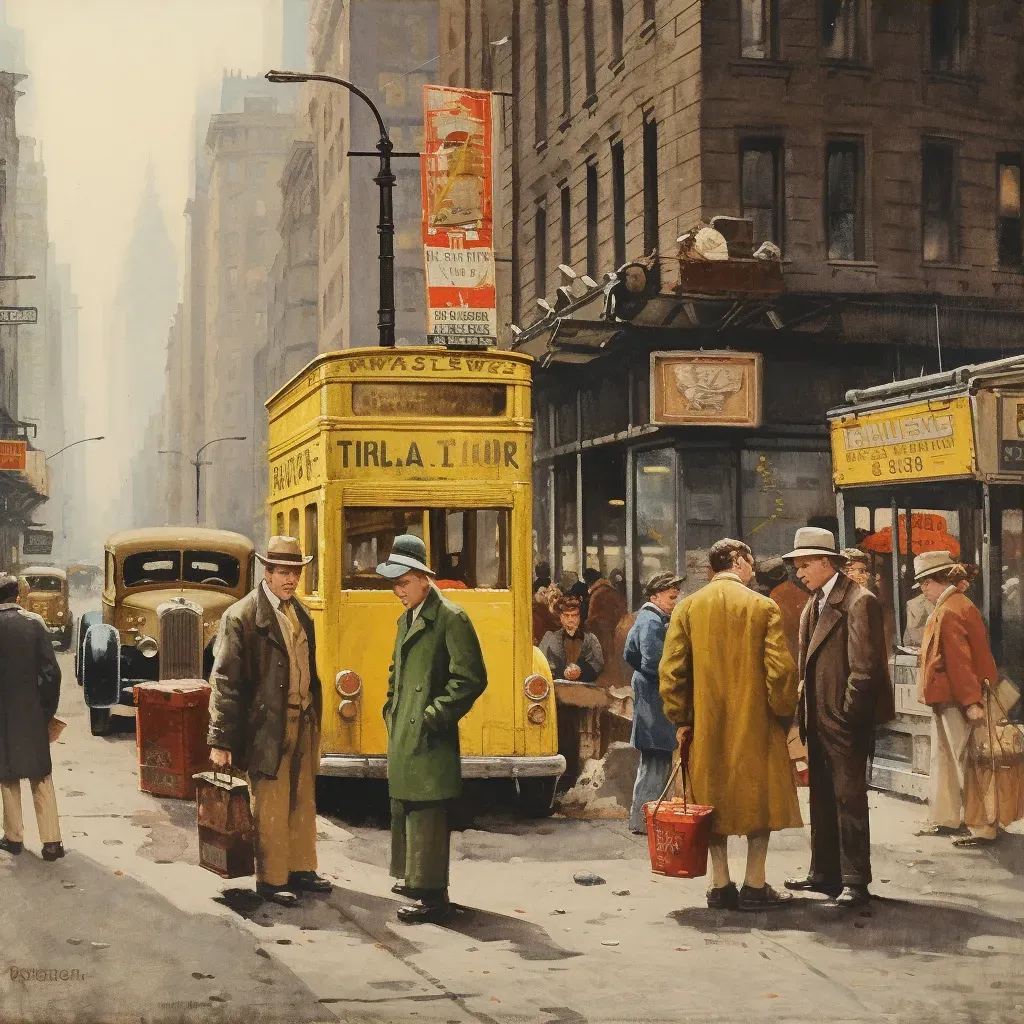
x=83 y=440
x=198 y=463
x=385 y=181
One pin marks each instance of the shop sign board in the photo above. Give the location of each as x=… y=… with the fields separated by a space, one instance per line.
x=1011 y=433
x=18 y=315
x=458 y=237
x=706 y=388
x=918 y=441
x=12 y=455
x=37 y=542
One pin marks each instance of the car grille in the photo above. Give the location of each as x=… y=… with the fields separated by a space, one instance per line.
x=181 y=640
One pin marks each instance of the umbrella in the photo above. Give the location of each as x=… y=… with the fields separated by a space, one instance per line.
x=928 y=532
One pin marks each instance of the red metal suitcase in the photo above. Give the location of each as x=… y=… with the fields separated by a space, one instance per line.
x=170 y=730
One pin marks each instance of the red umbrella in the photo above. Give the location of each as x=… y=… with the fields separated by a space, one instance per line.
x=928 y=532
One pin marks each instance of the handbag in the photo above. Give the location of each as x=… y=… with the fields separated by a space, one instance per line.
x=994 y=764
x=226 y=833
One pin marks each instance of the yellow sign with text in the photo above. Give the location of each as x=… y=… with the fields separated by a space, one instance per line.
x=922 y=441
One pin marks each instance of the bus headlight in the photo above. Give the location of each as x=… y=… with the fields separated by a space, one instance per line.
x=146 y=646
x=537 y=687
x=537 y=715
x=348 y=683
x=348 y=709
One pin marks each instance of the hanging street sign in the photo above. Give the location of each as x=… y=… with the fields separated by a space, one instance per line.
x=12 y=455
x=18 y=315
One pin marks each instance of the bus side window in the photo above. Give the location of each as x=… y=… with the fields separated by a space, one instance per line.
x=293 y=523
x=280 y=524
x=312 y=547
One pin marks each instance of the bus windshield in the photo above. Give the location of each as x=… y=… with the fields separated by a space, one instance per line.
x=467 y=548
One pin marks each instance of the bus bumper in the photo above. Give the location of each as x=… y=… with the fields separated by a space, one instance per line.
x=355 y=766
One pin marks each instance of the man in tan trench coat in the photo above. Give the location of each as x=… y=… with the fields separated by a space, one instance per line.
x=728 y=681
x=265 y=709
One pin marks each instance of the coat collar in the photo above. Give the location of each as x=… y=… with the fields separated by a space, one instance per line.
x=428 y=612
x=831 y=613
x=651 y=606
x=727 y=576
x=944 y=597
x=267 y=621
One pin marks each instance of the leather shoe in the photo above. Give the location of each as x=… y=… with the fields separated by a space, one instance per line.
x=308 y=881
x=765 y=898
x=853 y=896
x=425 y=913
x=278 y=894
x=401 y=889
x=11 y=847
x=727 y=897
x=53 y=851
x=812 y=884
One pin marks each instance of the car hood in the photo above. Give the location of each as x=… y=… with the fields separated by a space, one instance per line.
x=214 y=603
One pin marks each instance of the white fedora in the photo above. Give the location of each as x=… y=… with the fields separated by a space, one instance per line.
x=285 y=552
x=928 y=563
x=812 y=540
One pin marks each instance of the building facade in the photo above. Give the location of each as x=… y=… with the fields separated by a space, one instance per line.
x=876 y=144
x=247 y=151
x=389 y=49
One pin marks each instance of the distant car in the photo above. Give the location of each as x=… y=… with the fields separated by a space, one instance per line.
x=44 y=590
x=119 y=646
x=82 y=576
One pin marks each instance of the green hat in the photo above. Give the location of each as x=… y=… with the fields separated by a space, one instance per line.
x=408 y=553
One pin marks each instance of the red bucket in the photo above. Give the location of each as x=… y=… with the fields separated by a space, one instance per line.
x=677 y=835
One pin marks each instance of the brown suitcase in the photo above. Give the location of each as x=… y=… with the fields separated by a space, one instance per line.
x=226 y=842
x=170 y=730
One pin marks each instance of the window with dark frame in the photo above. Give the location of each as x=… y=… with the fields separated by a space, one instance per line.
x=649 y=6
x=758 y=29
x=950 y=34
x=939 y=214
x=618 y=202
x=761 y=188
x=486 y=54
x=618 y=27
x=589 y=54
x=592 y=216
x=540 y=252
x=843 y=29
x=844 y=200
x=1009 y=247
x=565 y=204
x=565 y=40
x=650 y=186
x=540 y=80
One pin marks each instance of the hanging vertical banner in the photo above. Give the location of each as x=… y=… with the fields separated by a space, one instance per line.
x=458 y=236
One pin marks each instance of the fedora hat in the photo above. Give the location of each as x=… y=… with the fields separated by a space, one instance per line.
x=812 y=540
x=284 y=551
x=928 y=563
x=408 y=552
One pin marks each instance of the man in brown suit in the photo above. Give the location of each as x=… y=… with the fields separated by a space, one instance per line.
x=265 y=710
x=845 y=692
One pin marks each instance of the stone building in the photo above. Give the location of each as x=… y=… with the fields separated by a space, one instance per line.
x=389 y=49
x=292 y=306
x=247 y=151
x=877 y=144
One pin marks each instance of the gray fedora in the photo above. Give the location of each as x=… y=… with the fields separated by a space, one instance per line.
x=811 y=541
x=408 y=553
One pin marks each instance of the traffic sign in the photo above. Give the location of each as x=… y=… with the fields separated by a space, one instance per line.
x=12 y=455
x=19 y=315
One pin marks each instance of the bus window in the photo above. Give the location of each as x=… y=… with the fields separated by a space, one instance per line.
x=312 y=547
x=293 y=523
x=467 y=548
x=280 y=524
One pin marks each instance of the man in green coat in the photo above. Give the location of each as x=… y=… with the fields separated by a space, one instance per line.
x=436 y=676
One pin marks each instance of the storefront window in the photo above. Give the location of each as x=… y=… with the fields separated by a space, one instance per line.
x=1012 y=609
x=566 y=420
x=783 y=491
x=604 y=514
x=654 y=548
x=605 y=404
x=710 y=510
x=566 y=547
x=541 y=514
x=541 y=422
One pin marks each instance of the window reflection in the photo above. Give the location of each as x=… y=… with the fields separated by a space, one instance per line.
x=655 y=545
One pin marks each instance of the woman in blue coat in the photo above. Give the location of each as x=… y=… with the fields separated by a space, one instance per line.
x=653 y=734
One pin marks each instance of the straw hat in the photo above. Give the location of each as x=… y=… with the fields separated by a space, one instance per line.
x=812 y=540
x=408 y=552
x=928 y=563
x=285 y=552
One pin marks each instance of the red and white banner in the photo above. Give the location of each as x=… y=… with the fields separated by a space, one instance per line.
x=456 y=171
x=12 y=455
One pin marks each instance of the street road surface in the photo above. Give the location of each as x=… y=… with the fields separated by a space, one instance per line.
x=128 y=927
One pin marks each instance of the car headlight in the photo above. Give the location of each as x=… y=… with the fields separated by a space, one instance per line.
x=146 y=646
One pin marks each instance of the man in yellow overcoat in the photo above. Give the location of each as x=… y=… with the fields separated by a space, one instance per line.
x=728 y=683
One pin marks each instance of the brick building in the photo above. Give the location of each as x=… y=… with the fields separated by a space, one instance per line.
x=878 y=144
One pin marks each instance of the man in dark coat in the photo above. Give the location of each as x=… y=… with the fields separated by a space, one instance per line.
x=653 y=734
x=437 y=674
x=29 y=694
x=572 y=652
x=265 y=712
x=844 y=693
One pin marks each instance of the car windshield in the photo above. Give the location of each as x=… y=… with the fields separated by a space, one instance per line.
x=151 y=567
x=212 y=567
x=50 y=583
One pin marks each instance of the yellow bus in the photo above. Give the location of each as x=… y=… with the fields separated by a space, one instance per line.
x=366 y=444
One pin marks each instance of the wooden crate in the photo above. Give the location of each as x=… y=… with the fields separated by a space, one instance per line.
x=170 y=732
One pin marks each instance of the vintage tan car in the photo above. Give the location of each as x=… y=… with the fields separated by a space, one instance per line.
x=119 y=645
x=43 y=589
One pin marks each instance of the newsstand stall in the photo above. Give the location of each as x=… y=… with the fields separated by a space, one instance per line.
x=930 y=464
